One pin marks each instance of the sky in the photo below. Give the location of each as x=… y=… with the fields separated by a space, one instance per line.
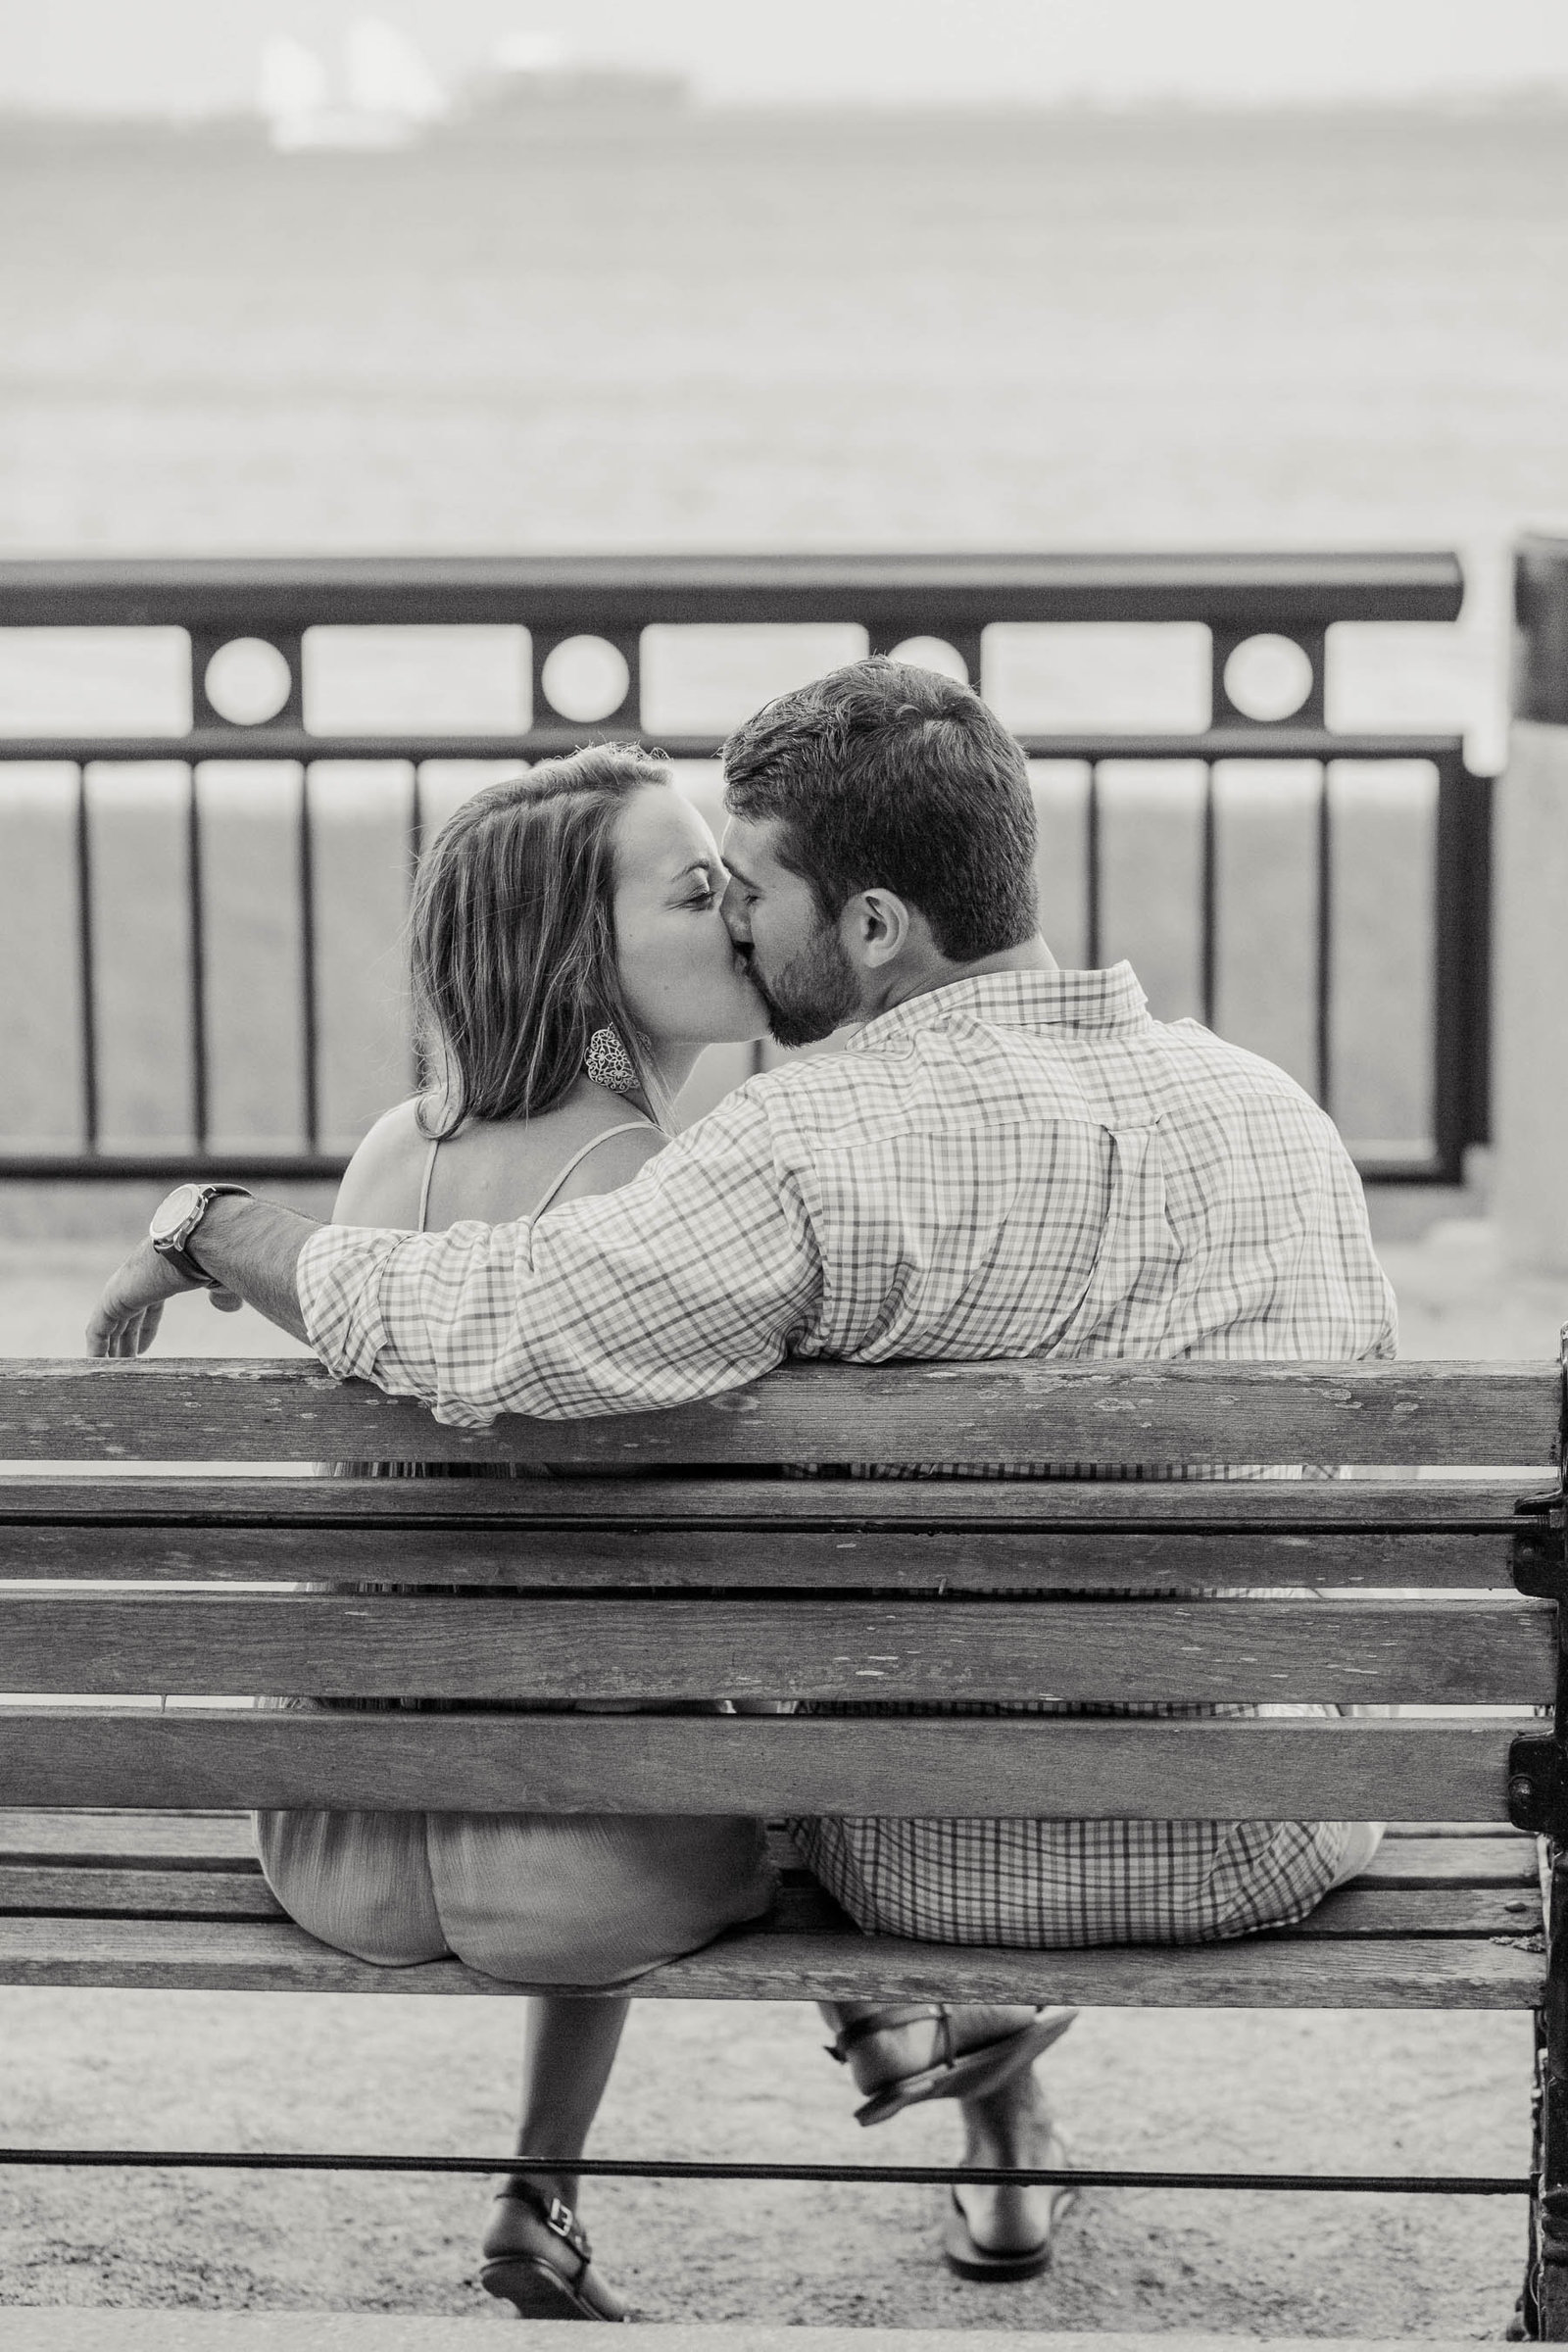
x=198 y=55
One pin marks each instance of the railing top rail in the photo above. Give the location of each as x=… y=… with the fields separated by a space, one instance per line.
x=270 y=743
x=230 y=594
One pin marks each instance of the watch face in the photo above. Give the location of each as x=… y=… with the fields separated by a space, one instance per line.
x=171 y=1211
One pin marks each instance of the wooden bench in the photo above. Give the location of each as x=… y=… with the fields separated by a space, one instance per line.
x=667 y=1557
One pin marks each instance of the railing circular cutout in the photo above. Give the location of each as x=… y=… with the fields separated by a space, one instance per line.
x=585 y=678
x=933 y=653
x=247 y=681
x=1268 y=677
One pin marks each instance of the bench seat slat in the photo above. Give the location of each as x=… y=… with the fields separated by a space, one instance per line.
x=1288 y=1972
x=1033 y=1409
x=1469 y=1861
x=27 y=1887
x=1467 y=1855
x=1497 y=1650
x=663 y=1559
x=57 y=1889
x=762 y=1504
x=1442 y=1769
x=169 y=1841
x=1452 y=1910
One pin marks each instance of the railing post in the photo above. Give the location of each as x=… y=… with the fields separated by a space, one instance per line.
x=1529 y=924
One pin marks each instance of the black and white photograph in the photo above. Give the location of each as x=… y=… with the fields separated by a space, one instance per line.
x=783 y=1173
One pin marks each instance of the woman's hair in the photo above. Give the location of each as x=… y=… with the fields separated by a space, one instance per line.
x=512 y=954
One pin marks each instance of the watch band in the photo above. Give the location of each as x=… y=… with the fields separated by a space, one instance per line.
x=175 y=1246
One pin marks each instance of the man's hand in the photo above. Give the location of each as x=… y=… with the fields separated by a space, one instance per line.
x=125 y=1320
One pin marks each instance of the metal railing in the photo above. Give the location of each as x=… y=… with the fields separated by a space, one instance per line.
x=952 y=599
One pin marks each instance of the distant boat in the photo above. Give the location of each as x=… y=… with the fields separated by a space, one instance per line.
x=392 y=97
x=533 y=86
x=292 y=90
x=387 y=77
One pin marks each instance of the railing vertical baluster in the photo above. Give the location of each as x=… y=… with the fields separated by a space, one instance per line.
x=1091 y=870
x=200 y=1108
x=958 y=597
x=415 y=819
x=1462 y=943
x=310 y=1044
x=1323 y=972
x=1207 y=947
x=86 y=978
x=415 y=853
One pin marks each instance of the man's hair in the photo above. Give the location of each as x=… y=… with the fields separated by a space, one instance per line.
x=882 y=775
x=513 y=940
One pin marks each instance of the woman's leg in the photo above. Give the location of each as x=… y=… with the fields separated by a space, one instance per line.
x=569 y=2049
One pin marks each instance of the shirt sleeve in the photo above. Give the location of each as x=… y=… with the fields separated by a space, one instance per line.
x=694 y=1278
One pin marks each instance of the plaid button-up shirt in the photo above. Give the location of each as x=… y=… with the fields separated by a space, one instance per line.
x=1023 y=1164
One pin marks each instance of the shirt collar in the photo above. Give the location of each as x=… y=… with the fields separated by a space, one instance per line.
x=1106 y=1001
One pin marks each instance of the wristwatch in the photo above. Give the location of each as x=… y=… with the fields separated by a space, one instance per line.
x=176 y=1220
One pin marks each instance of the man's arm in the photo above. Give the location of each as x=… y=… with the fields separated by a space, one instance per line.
x=695 y=1277
x=701 y=1274
x=251 y=1247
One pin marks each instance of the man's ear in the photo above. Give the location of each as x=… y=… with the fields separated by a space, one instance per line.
x=875 y=927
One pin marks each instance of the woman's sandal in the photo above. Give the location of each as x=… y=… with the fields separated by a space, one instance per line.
x=552 y=2276
x=957 y=2074
x=963 y=2254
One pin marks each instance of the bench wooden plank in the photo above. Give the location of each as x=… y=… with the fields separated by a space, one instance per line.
x=662 y=1559
x=1034 y=1409
x=150 y=1893
x=1497 y=1650
x=1286 y=1972
x=1464 y=1855
x=1454 y=1860
x=1449 y=1910
x=40 y=1890
x=1441 y=1769
x=171 y=1841
x=216 y=1498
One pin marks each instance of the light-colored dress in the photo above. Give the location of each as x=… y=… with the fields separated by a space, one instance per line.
x=535 y=1899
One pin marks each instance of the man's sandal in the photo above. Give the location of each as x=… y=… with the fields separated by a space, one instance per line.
x=956 y=2074
x=963 y=2254
x=551 y=2275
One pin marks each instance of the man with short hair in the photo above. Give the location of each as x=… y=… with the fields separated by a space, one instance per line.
x=1007 y=1160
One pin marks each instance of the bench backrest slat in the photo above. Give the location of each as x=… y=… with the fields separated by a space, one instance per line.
x=762 y=1504
x=782 y=1557
x=1033 y=1410
x=1304 y=1768
x=665 y=1559
x=1495 y=1651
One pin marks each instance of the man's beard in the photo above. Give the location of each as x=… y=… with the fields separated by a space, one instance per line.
x=815 y=992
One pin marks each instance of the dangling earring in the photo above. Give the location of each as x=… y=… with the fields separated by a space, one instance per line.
x=608 y=1063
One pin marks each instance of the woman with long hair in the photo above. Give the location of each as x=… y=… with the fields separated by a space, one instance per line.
x=569 y=962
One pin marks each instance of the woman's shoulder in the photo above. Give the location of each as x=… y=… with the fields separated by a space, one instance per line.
x=607 y=1159
x=381 y=1184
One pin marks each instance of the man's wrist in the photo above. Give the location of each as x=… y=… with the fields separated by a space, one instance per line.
x=222 y=1226
x=252 y=1248
x=178 y=1218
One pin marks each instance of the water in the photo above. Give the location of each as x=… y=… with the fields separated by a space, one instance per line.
x=769 y=332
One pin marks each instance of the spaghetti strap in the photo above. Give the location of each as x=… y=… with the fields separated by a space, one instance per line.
x=424 y=1188
x=626 y=1127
